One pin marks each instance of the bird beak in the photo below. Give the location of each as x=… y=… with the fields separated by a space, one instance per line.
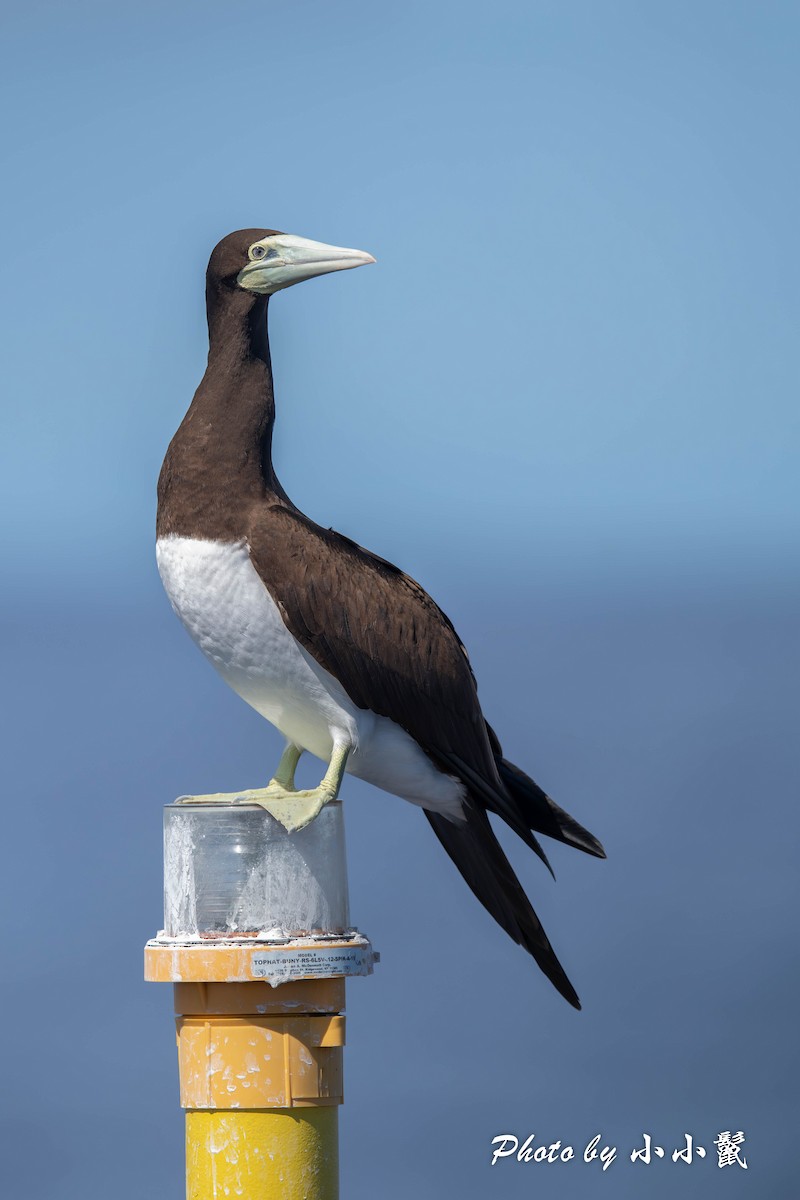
x=289 y=259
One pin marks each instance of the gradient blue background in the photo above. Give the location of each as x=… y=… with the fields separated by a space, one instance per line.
x=566 y=401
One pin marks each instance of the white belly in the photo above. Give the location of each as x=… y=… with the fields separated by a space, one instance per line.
x=219 y=597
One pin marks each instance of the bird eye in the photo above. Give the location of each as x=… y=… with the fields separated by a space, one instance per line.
x=258 y=251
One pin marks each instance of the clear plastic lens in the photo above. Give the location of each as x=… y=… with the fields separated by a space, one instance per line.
x=233 y=870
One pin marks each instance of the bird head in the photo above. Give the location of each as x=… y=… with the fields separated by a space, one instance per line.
x=264 y=261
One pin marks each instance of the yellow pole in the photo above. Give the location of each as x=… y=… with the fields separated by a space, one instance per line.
x=261 y=1083
x=260 y=1077
x=288 y=1153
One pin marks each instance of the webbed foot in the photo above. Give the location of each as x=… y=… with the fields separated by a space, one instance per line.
x=294 y=809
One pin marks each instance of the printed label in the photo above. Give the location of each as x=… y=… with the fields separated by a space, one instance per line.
x=311 y=962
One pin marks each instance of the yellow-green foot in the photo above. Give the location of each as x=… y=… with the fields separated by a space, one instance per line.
x=294 y=809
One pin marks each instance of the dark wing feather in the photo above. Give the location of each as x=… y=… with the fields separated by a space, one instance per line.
x=479 y=857
x=379 y=633
x=395 y=652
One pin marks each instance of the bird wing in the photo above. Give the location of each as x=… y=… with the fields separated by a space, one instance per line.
x=395 y=652
x=378 y=632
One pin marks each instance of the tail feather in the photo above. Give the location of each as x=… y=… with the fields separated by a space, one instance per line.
x=543 y=814
x=498 y=802
x=479 y=857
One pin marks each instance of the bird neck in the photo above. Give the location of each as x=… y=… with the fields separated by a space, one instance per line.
x=220 y=461
x=237 y=390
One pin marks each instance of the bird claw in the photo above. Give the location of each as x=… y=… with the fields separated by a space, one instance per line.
x=297 y=809
x=291 y=808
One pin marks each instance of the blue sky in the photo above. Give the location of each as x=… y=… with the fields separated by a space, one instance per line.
x=566 y=400
x=586 y=297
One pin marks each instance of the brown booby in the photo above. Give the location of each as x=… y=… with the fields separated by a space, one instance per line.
x=343 y=652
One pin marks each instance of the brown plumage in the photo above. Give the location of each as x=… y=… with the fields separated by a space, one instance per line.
x=365 y=621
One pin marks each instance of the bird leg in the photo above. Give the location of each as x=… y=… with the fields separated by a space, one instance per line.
x=294 y=809
x=284 y=776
